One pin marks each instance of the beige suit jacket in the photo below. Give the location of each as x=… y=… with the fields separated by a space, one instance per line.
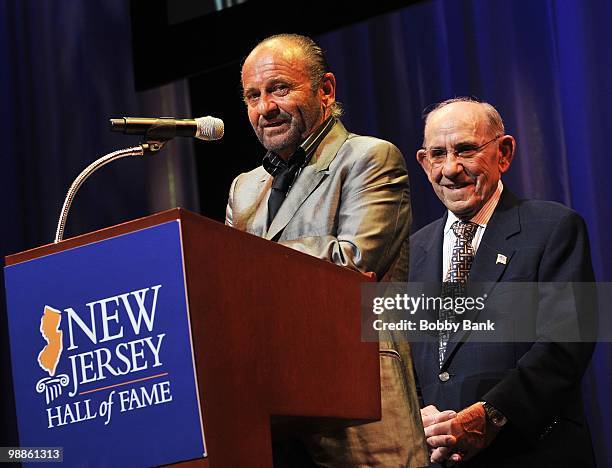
x=351 y=206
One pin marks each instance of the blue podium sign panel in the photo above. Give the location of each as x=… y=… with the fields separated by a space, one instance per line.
x=102 y=353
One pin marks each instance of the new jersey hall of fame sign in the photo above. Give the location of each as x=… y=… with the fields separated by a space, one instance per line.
x=101 y=352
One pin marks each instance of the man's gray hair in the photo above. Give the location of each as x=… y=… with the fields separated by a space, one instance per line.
x=496 y=124
x=316 y=63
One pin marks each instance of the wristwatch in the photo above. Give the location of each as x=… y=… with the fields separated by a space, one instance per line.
x=495 y=416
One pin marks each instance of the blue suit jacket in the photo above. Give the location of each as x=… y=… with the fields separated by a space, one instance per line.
x=535 y=384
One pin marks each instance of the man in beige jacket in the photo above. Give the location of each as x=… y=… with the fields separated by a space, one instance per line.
x=337 y=196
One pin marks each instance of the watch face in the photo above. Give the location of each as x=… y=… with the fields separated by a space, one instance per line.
x=498 y=421
x=496 y=418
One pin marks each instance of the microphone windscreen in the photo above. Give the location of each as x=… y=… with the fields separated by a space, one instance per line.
x=209 y=128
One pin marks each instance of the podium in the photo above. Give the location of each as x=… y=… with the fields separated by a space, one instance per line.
x=177 y=323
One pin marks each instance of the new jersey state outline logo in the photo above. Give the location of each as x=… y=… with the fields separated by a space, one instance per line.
x=49 y=357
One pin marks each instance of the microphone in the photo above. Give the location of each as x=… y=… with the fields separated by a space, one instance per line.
x=165 y=128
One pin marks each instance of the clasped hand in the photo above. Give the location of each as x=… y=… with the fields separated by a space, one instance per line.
x=453 y=437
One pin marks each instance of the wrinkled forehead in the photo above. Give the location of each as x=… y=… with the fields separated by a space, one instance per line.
x=273 y=55
x=456 y=122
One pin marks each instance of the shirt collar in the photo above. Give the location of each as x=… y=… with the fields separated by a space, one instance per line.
x=314 y=139
x=484 y=214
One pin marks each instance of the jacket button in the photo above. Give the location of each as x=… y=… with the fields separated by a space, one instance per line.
x=444 y=376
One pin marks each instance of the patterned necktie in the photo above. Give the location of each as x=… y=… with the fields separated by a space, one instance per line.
x=284 y=175
x=454 y=283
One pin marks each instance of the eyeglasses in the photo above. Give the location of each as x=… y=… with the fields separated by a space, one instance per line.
x=462 y=152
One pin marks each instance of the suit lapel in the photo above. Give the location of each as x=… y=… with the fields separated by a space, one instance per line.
x=494 y=254
x=256 y=221
x=309 y=179
x=486 y=269
x=427 y=266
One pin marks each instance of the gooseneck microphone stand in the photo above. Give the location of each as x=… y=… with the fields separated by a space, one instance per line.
x=148 y=147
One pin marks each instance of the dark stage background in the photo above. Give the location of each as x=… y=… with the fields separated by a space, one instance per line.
x=66 y=67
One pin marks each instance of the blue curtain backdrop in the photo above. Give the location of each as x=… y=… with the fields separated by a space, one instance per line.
x=65 y=68
x=547 y=67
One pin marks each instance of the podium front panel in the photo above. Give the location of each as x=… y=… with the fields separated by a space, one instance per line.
x=102 y=352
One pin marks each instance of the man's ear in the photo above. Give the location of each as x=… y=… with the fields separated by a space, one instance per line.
x=328 y=89
x=507 y=147
x=421 y=157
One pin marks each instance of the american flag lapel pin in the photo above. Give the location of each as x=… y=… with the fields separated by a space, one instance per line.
x=501 y=259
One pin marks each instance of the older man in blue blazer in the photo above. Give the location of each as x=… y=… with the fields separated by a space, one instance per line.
x=503 y=404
